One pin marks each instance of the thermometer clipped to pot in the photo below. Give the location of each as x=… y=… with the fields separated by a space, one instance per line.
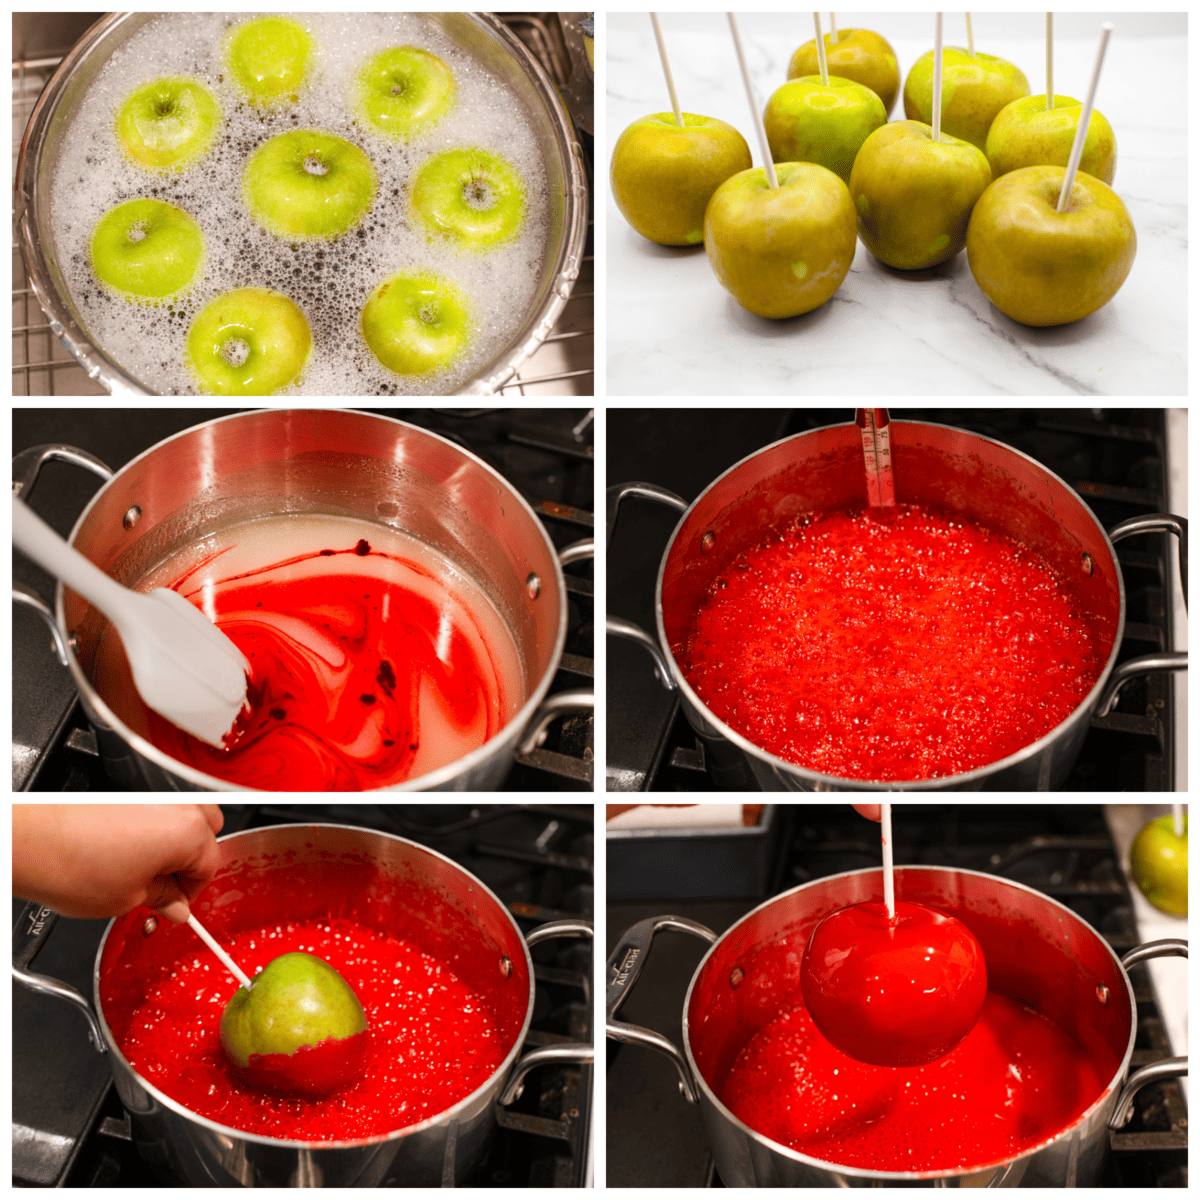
x=877 y=456
x=895 y=984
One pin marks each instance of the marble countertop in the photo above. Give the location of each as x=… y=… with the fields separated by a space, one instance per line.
x=673 y=330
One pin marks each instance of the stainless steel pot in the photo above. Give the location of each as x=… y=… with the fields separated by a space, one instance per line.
x=1037 y=951
x=821 y=470
x=314 y=460
x=472 y=931
x=481 y=34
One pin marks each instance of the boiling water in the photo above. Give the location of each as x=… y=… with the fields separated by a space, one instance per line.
x=329 y=280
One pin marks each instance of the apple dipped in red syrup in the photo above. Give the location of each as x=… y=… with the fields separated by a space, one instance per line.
x=897 y=991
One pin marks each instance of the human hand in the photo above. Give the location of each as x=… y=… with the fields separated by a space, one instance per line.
x=870 y=811
x=101 y=860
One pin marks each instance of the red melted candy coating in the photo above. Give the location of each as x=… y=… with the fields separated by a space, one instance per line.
x=312 y=1070
x=347 y=718
x=432 y=1040
x=896 y=992
x=911 y=648
x=1014 y=1081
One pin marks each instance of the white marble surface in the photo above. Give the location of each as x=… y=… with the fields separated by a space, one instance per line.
x=673 y=330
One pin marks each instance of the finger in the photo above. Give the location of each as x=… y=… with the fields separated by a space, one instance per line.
x=214 y=816
x=872 y=812
x=165 y=894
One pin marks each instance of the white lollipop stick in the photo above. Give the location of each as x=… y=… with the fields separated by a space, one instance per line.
x=833 y=28
x=1084 y=121
x=755 y=113
x=889 y=884
x=970 y=36
x=666 y=66
x=822 y=61
x=937 y=78
x=210 y=942
x=1177 y=813
x=1049 y=61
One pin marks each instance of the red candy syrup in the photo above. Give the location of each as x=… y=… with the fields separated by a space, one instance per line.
x=898 y=992
x=313 y=1071
x=914 y=647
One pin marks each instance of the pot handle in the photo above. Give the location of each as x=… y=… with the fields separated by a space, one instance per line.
x=627 y=629
x=29 y=935
x=624 y=965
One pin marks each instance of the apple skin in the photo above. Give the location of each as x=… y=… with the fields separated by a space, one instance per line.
x=299 y=1031
x=1159 y=861
x=975 y=87
x=1027 y=134
x=169 y=123
x=308 y=184
x=809 y=122
x=1042 y=267
x=269 y=58
x=442 y=198
x=157 y=264
x=663 y=176
x=415 y=323
x=271 y=325
x=857 y=54
x=405 y=91
x=914 y=196
x=781 y=251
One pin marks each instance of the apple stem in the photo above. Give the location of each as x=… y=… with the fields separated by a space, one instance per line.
x=822 y=61
x=666 y=66
x=1177 y=814
x=1085 y=120
x=208 y=939
x=833 y=28
x=970 y=36
x=937 y=78
x=755 y=112
x=1049 y=62
x=889 y=883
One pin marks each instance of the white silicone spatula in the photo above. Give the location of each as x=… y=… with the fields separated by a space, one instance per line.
x=183 y=666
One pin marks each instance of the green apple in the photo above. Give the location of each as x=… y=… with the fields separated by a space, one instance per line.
x=1159 y=861
x=405 y=91
x=781 y=251
x=914 y=196
x=809 y=122
x=856 y=54
x=248 y=342
x=975 y=87
x=1043 y=267
x=1026 y=133
x=298 y=1030
x=269 y=58
x=416 y=322
x=147 y=249
x=663 y=175
x=168 y=123
x=308 y=184
x=474 y=198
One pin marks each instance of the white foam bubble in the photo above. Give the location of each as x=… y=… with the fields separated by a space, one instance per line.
x=331 y=281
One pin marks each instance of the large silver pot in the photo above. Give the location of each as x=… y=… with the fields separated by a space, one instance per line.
x=481 y=34
x=821 y=470
x=1037 y=951
x=472 y=931
x=314 y=460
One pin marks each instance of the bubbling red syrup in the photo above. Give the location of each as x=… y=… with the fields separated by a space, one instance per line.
x=911 y=646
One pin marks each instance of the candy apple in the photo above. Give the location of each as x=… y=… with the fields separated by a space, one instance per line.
x=474 y=198
x=405 y=91
x=1026 y=133
x=248 y=342
x=781 y=251
x=663 y=176
x=975 y=87
x=914 y=196
x=415 y=323
x=147 y=249
x=168 y=123
x=1159 y=861
x=1043 y=267
x=269 y=58
x=298 y=1031
x=809 y=122
x=307 y=184
x=856 y=54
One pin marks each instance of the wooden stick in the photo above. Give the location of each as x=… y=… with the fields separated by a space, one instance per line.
x=211 y=942
x=755 y=112
x=666 y=66
x=822 y=61
x=937 y=78
x=1049 y=62
x=889 y=883
x=833 y=29
x=1177 y=815
x=1084 y=121
x=970 y=36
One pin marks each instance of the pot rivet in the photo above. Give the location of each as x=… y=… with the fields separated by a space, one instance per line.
x=73 y=641
x=736 y=976
x=1085 y=560
x=533 y=586
x=149 y=926
x=505 y=967
x=707 y=542
x=132 y=517
x=1102 y=995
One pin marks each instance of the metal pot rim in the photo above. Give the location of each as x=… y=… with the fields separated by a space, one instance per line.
x=492 y=1081
x=833 y=783
x=511 y=732
x=1109 y=1089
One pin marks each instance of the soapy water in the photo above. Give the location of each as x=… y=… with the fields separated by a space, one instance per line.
x=329 y=280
